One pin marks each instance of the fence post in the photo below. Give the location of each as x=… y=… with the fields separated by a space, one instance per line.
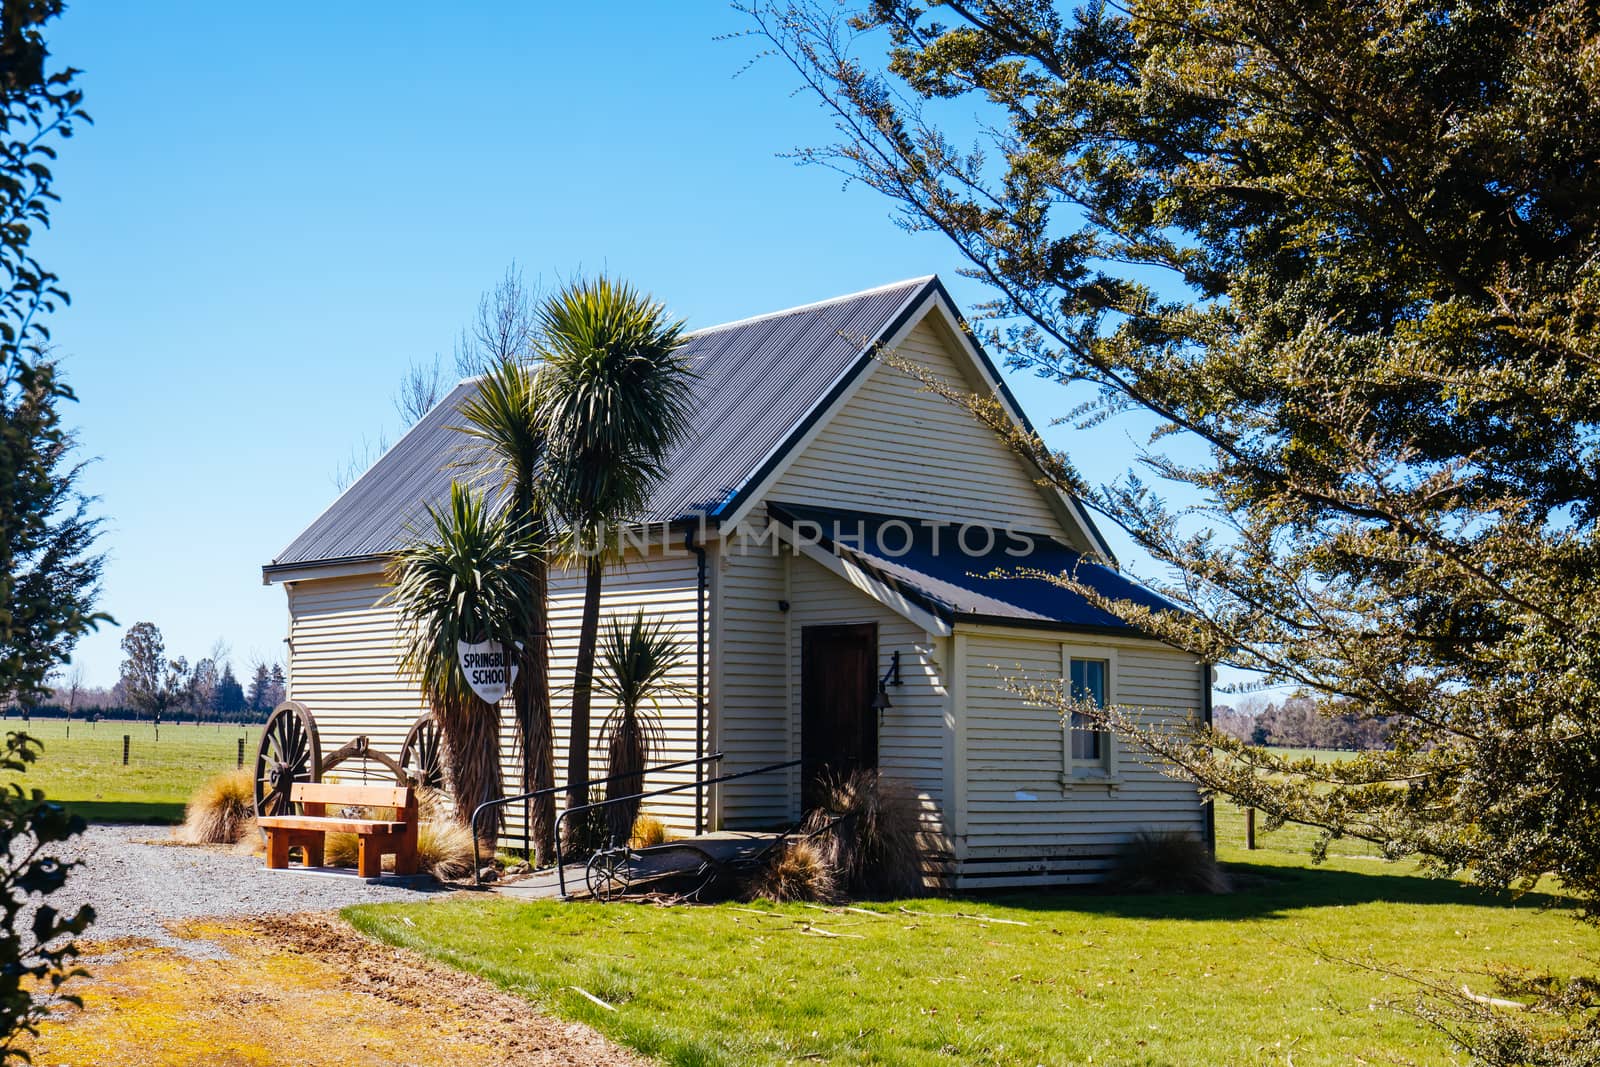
x=1250 y=828
x=124 y=750
x=241 y=752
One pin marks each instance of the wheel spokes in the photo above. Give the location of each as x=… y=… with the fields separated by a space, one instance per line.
x=289 y=752
x=422 y=755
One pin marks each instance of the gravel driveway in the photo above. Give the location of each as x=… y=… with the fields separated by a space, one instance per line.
x=136 y=884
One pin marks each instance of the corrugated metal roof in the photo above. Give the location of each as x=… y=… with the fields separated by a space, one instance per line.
x=759 y=383
x=970 y=572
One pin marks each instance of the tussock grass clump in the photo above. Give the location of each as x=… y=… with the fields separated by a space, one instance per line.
x=648 y=831
x=221 y=810
x=340 y=849
x=873 y=849
x=444 y=850
x=1166 y=861
x=797 y=870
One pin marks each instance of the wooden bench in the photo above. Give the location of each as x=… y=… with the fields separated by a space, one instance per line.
x=374 y=837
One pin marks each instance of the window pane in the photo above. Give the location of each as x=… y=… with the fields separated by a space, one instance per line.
x=1088 y=682
x=1085 y=741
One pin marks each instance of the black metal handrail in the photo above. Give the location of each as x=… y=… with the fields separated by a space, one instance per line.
x=561 y=873
x=554 y=789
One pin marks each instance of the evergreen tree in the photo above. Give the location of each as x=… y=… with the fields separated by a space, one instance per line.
x=1349 y=258
x=49 y=572
x=277 y=687
x=229 y=697
x=259 y=695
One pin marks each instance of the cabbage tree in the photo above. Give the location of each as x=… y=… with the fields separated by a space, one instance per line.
x=616 y=390
x=464 y=581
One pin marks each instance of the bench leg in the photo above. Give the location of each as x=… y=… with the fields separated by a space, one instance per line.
x=369 y=854
x=313 y=845
x=405 y=854
x=277 y=849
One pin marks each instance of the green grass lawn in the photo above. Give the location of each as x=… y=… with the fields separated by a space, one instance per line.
x=1235 y=979
x=84 y=770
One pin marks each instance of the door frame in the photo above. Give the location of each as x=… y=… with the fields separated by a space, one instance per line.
x=870 y=632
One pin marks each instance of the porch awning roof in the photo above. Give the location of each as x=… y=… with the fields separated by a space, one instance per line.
x=968 y=573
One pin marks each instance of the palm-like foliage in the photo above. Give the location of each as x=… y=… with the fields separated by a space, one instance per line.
x=505 y=423
x=616 y=391
x=504 y=420
x=465 y=579
x=618 y=396
x=637 y=661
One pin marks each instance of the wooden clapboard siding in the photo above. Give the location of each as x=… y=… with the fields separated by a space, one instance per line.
x=345 y=666
x=896 y=449
x=663 y=583
x=752 y=690
x=1022 y=825
x=758 y=706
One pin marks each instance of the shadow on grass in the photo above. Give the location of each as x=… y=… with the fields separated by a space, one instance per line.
x=116 y=811
x=1265 y=892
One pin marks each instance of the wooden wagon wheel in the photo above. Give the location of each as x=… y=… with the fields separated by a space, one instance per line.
x=290 y=752
x=360 y=748
x=422 y=755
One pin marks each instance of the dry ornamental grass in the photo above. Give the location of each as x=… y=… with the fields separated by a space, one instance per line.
x=1166 y=862
x=796 y=871
x=221 y=810
x=873 y=849
x=648 y=831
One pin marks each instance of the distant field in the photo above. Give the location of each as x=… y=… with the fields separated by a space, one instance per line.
x=1290 y=839
x=84 y=770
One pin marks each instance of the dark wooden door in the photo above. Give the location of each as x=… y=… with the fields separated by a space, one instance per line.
x=838 y=725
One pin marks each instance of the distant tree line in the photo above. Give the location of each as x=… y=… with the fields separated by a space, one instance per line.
x=166 y=689
x=159 y=686
x=1303 y=721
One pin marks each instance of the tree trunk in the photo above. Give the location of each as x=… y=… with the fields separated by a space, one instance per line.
x=471 y=732
x=626 y=755
x=535 y=729
x=582 y=690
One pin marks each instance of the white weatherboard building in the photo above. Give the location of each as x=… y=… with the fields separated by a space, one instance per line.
x=831 y=541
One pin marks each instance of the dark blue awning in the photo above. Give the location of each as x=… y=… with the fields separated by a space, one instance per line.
x=970 y=573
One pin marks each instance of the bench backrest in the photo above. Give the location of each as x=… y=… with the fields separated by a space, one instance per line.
x=402 y=798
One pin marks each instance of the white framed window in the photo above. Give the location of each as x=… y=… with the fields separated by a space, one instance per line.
x=1088 y=750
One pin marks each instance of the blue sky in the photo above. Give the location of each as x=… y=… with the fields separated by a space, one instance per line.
x=279 y=208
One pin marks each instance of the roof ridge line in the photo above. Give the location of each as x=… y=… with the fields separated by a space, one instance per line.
x=921 y=280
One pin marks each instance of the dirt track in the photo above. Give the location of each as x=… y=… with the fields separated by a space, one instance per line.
x=299 y=989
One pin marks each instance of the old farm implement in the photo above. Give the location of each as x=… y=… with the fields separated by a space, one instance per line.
x=690 y=866
x=291 y=753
